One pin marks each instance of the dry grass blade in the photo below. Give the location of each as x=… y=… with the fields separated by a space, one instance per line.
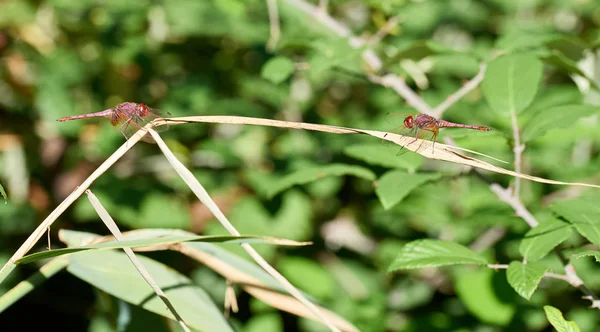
x=205 y=198
x=41 y=229
x=423 y=147
x=114 y=229
x=258 y=288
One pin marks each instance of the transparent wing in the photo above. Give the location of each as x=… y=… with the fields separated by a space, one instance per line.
x=423 y=135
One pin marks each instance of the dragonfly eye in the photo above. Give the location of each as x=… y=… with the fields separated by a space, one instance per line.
x=408 y=122
x=143 y=109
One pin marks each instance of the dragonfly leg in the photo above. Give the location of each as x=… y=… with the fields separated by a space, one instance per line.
x=124 y=127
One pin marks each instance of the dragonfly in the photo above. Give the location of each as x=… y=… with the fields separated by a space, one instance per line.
x=426 y=127
x=130 y=116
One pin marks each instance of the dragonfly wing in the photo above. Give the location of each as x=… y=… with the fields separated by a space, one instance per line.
x=130 y=127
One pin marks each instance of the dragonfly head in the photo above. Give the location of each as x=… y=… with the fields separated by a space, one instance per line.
x=409 y=122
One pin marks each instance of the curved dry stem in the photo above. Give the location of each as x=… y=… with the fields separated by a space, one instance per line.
x=423 y=147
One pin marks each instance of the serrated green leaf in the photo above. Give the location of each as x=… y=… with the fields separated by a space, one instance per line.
x=555 y=317
x=277 y=69
x=555 y=118
x=394 y=185
x=313 y=173
x=524 y=278
x=485 y=296
x=383 y=155
x=3 y=193
x=594 y=253
x=429 y=253
x=584 y=214
x=154 y=242
x=122 y=280
x=511 y=82
x=538 y=241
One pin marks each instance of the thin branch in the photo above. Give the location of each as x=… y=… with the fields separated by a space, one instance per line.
x=498 y=266
x=520 y=210
x=488 y=239
x=460 y=93
x=518 y=151
x=323 y=5
x=274 y=29
x=373 y=61
x=383 y=31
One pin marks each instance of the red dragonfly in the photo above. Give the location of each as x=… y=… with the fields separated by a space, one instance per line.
x=425 y=127
x=131 y=117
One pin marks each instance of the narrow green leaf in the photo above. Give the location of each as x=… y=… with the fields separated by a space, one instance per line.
x=3 y=194
x=429 y=253
x=524 y=278
x=277 y=69
x=511 y=82
x=150 y=242
x=486 y=295
x=584 y=214
x=555 y=118
x=394 y=185
x=555 y=317
x=538 y=242
x=120 y=279
x=383 y=155
x=586 y=253
x=313 y=173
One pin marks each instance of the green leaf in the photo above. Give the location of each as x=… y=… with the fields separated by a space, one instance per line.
x=277 y=69
x=417 y=51
x=511 y=82
x=153 y=242
x=584 y=214
x=383 y=155
x=594 y=253
x=120 y=279
x=308 y=275
x=553 y=118
x=429 y=253
x=524 y=278
x=3 y=193
x=313 y=173
x=485 y=295
x=555 y=317
x=538 y=242
x=394 y=185
x=560 y=60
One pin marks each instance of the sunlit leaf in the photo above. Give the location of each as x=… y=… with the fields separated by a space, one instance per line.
x=594 y=253
x=313 y=173
x=277 y=69
x=394 y=185
x=555 y=317
x=122 y=280
x=584 y=214
x=540 y=240
x=524 y=278
x=428 y=253
x=555 y=118
x=511 y=82
x=307 y=275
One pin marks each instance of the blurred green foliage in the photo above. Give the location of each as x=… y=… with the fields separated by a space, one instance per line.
x=361 y=204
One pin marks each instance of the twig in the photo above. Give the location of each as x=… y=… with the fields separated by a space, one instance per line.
x=515 y=202
x=373 y=61
x=383 y=31
x=488 y=239
x=546 y=275
x=114 y=229
x=518 y=150
x=463 y=91
x=323 y=5
x=274 y=29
